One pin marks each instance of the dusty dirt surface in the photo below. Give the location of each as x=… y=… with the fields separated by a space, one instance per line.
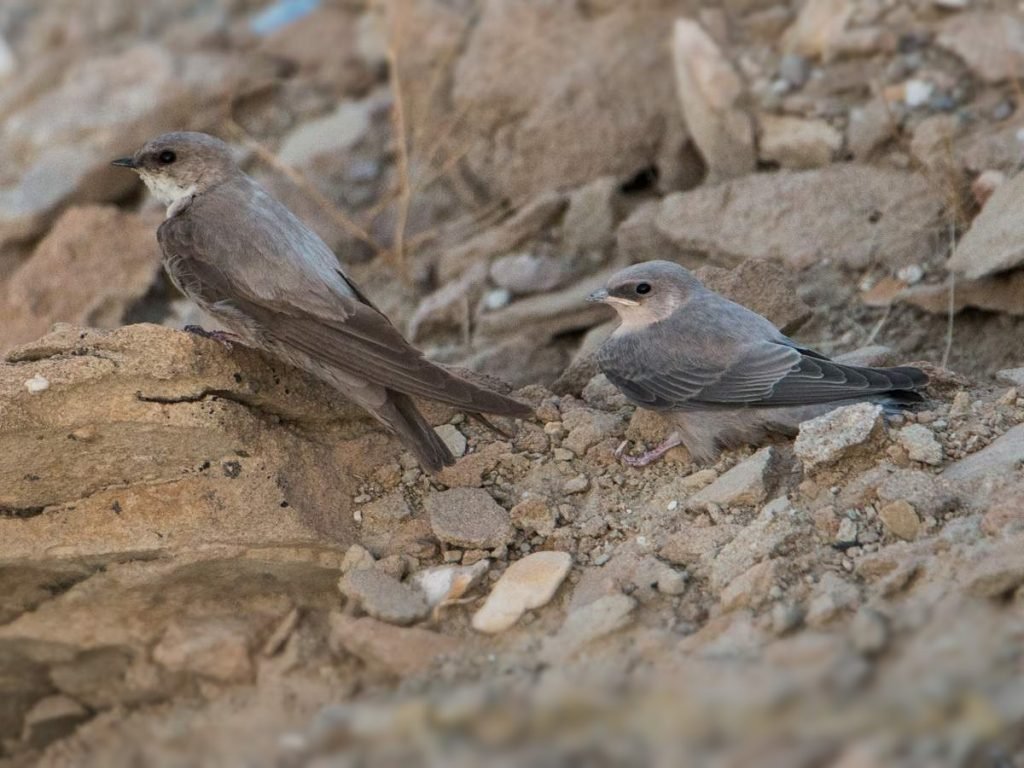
x=210 y=559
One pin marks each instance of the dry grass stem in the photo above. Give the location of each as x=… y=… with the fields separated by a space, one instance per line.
x=300 y=180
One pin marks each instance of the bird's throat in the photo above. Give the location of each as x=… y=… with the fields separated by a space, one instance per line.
x=169 y=191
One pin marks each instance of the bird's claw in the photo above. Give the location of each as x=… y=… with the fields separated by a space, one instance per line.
x=647 y=457
x=228 y=340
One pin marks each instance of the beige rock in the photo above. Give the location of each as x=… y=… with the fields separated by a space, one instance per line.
x=173 y=443
x=870 y=127
x=901 y=519
x=60 y=153
x=336 y=132
x=832 y=596
x=90 y=269
x=545 y=316
x=710 y=93
x=998 y=572
x=920 y=444
x=779 y=209
x=818 y=28
x=829 y=438
x=588 y=226
x=768 y=288
x=794 y=142
x=750 y=588
x=776 y=526
x=52 y=718
x=402 y=651
x=322 y=45
x=996 y=461
x=588 y=624
x=533 y=514
x=696 y=543
x=993 y=244
x=526 y=584
x=514 y=107
x=748 y=483
x=468 y=517
x=1003 y=292
x=991 y=44
x=533 y=216
x=216 y=649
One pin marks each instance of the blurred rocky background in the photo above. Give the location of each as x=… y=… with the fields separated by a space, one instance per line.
x=208 y=559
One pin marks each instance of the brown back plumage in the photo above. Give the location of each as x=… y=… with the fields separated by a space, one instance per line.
x=247 y=259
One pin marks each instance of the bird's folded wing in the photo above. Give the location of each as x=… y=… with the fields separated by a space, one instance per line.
x=333 y=328
x=763 y=374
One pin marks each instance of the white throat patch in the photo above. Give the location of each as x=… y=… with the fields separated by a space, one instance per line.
x=168 y=192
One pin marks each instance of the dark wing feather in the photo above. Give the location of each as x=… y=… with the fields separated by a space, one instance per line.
x=304 y=303
x=769 y=373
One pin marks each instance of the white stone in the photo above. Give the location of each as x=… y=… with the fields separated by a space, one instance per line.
x=917 y=92
x=911 y=274
x=445 y=583
x=496 y=299
x=526 y=584
x=455 y=440
x=37 y=384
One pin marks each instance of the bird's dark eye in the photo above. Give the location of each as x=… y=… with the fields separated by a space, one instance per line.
x=643 y=288
x=166 y=157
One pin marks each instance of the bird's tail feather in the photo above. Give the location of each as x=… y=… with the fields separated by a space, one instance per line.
x=467 y=396
x=401 y=415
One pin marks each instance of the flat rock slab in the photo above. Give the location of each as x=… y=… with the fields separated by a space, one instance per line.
x=856 y=214
x=468 y=517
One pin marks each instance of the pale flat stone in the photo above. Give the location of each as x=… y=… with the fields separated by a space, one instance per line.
x=528 y=583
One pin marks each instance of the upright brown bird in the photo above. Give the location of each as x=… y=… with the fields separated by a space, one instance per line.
x=251 y=263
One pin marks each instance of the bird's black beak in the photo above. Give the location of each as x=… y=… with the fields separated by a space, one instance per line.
x=601 y=295
x=125 y=162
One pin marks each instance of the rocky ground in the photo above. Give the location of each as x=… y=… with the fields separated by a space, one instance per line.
x=208 y=558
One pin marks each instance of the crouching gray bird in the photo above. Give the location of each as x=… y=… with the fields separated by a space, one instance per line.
x=723 y=375
x=248 y=261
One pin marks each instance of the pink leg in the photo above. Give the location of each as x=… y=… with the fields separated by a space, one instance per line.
x=224 y=337
x=650 y=456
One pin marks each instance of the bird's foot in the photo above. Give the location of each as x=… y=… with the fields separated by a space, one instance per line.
x=228 y=340
x=648 y=457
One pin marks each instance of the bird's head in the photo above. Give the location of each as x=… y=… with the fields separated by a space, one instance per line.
x=648 y=292
x=176 y=166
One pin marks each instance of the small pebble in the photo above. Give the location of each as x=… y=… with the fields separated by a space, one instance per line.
x=496 y=299
x=917 y=93
x=37 y=384
x=578 y=484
